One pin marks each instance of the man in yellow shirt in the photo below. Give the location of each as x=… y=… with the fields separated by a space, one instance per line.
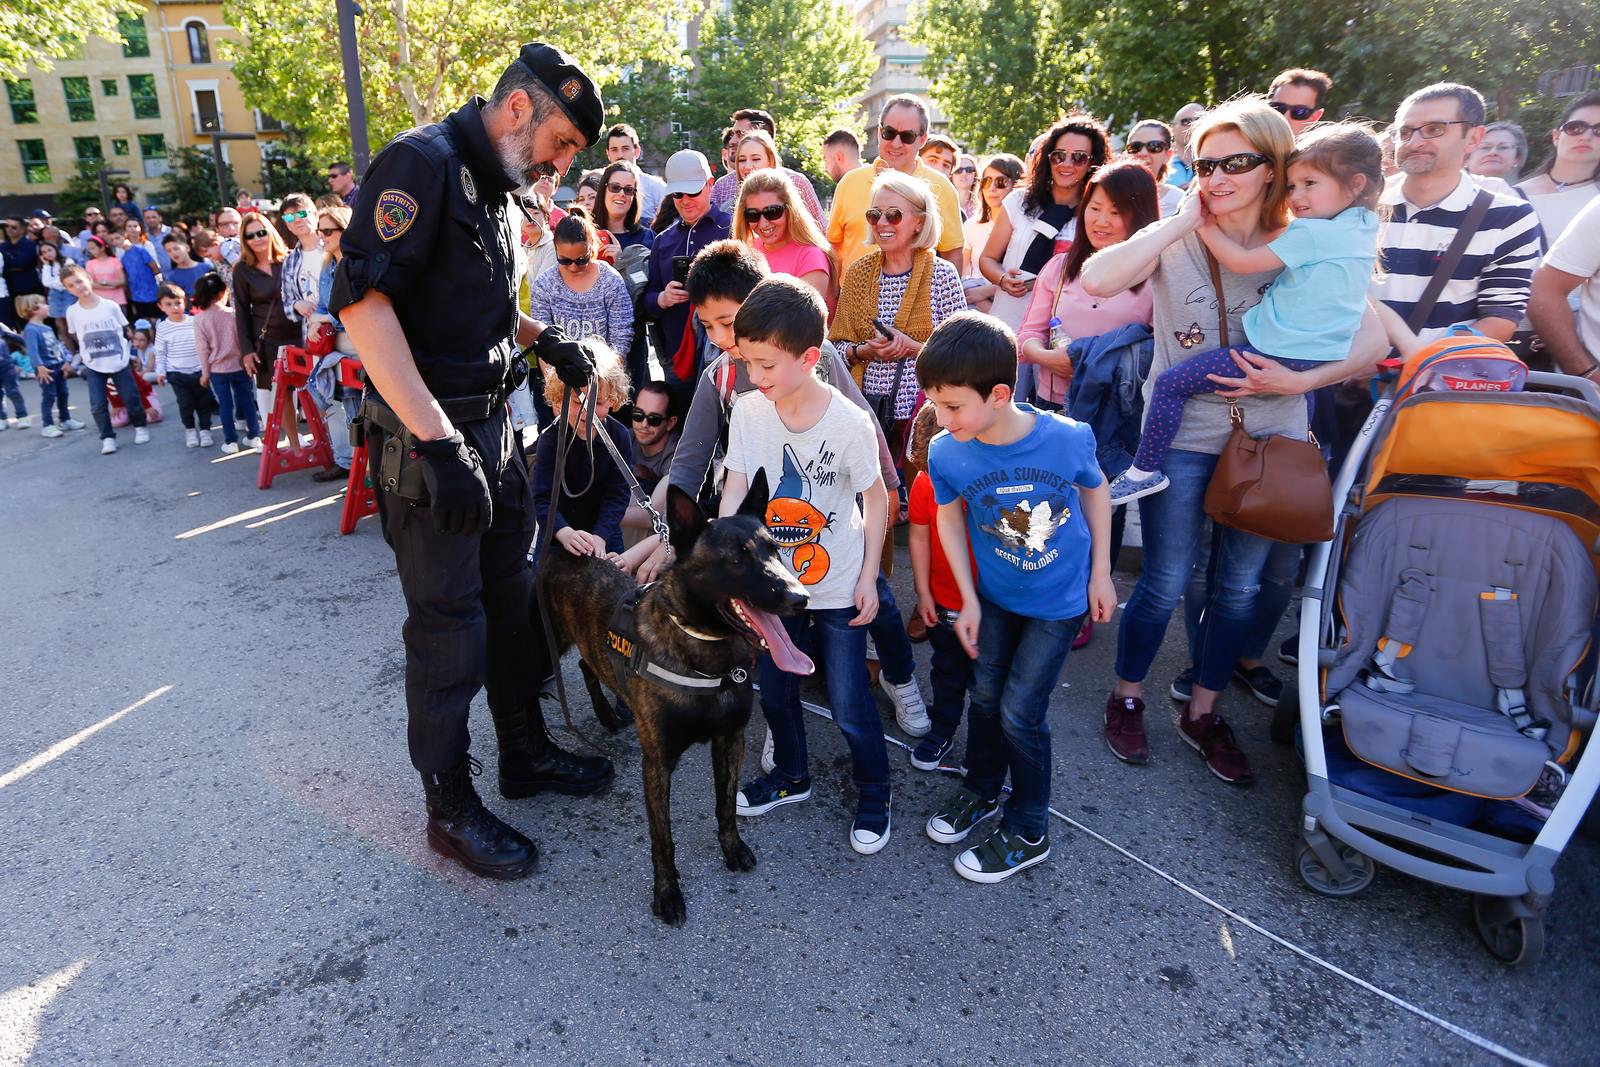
x=902 y=131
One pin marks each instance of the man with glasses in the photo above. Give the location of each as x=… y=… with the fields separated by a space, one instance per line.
x=228 y=221
x=342 y=180
x=727 y=188
x=1298 y=95
x=1435 y=129
x=1180 y=171
x=426 y=287
x=902 y=131
x=666 y=301
x=622 y=143
x=655 y=442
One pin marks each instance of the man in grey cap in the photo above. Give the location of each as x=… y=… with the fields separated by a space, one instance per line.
x=666 y=301
x=427 y=288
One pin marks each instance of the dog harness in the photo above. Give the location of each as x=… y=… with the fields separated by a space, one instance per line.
x=627 y=651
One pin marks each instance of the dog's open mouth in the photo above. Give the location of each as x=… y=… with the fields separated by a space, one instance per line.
x=766 y=632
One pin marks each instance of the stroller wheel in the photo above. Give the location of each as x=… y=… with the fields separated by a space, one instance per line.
x=1513 y=939
x=1286 y=716
x=1358 y=874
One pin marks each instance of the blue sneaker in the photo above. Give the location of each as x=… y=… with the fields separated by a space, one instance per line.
x=930 y=752
x=1125 y=489
x=761 y=795
x=870 y=832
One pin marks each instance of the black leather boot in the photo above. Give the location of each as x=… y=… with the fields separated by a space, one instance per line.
x=532 y=763
x=460 y=827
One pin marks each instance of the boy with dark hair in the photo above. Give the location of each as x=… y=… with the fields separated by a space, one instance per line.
x=814 y=449
x=1038 y=516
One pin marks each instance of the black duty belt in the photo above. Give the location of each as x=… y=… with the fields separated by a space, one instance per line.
x=457 y=409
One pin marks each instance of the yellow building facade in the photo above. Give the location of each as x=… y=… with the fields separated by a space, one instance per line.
x=131 y=104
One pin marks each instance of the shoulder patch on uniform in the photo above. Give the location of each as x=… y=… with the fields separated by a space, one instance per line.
x=571 y=89
x=395 y=213
x=468 y=186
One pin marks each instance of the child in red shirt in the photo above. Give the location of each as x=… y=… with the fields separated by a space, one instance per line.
x=938 y=604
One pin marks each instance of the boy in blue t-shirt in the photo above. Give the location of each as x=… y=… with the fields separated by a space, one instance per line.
x=1038 y=516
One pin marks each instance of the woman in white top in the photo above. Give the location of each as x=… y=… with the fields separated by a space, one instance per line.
x=1569 y=177
x=1150 y=142
x=1000 y=176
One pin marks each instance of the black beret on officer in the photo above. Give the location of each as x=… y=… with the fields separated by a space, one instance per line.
x=432 y=231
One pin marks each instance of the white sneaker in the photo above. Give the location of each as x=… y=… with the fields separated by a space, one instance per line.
x=52 y=431
x=191 y=439
x=73 y=424
x=206 y=440
x=25 y=423
x=108 y=445
x=230 y=447
x=768 y=761
x=4 y=425
x=252 y=442
x=909 y=710
x=141 y=436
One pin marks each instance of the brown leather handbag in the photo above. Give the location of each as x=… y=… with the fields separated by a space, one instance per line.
x=1274 y=486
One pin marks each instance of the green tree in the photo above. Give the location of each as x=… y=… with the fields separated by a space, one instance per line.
x=422 y=58
x=803 y=61
x=287 y=167
x=190 y=186
x=79 y=192
x=38 y=32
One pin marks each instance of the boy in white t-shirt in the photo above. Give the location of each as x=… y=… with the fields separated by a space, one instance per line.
x=98 y=325
x=816 y=451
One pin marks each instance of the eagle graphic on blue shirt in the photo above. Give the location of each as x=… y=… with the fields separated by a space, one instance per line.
x=1028 y=528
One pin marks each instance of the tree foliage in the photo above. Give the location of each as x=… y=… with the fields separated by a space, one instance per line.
x=804 y=61
x=190 y=186
x=37 y=32
x=420 y=59
x=287 y=167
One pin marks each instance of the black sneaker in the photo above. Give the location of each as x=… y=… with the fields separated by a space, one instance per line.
x=1289 y=651
x=1000 y=855
x=761 y=795
x=1262 y=683
x=955 y=820
x=1183 y=686
x=870 y=831
x=930 y=752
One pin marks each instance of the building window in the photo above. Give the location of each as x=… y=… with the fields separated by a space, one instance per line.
x=80 y=104
x=88 y=150
x=207 y=112
x=142 y=89
x=199 y=46
x=23 y=110
x=266 y=122
x=35 y=164
x=135 y=38
x=119 y=146
x=108 y=87
x=153 y=147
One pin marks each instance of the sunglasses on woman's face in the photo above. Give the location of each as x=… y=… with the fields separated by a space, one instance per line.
x=1298 y=112
x=295 y=216
x=619 y=190
x=1238 y=163
x=581 y=261
x=255 y=235
x=772 y=213
x=654 y=418
x=326 y=230
x=892 y=216
x=887 y=132
x=998 y=181
x=1058 y=157
x=966 y=170
x=1577 y=128
x=1155 y=148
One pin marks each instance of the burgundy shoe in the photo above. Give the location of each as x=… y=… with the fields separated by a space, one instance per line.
x=1085 y=632
x=1125 y=729
x=1213 y=739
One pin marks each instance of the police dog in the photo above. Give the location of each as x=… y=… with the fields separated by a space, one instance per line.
x=713 y=609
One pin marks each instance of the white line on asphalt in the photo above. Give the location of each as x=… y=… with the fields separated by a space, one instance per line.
x=22 y=1009
x=301 y=510
x=1305 y=954
x=61 y=748
x=243 y=516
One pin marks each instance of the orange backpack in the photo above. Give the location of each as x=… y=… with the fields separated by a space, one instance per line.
x=1463 y=361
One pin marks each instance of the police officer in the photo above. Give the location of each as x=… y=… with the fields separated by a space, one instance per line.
x=427 y=291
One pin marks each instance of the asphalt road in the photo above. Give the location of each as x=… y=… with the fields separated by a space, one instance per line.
x=234 y=871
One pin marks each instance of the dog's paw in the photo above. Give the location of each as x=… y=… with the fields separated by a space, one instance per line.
x=669 y=905
x=739 y=857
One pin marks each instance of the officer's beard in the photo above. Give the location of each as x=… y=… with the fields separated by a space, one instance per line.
x=516 y=153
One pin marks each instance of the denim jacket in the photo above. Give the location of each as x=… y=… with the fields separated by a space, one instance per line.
x=1108 y=373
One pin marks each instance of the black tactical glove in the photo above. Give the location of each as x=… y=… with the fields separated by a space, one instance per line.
x=458 y=492
x=571 y=362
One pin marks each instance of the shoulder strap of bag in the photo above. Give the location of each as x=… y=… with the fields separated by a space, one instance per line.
x=1447 y=263
x=1222 y=301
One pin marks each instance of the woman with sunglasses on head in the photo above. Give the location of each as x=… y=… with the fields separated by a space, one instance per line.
x=1569 y=177
x=769 y=217
x=1040 y=213
x=302 y=267
x=1001 y=174
x=1241 y=188
x=264 y=326
x=581 y=294
x=332 y=220
x=1150 y=143
x=616 y=211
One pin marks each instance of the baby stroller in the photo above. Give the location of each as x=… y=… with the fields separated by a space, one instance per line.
x=1446 y=653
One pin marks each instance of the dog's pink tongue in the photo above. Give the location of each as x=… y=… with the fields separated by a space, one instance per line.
x=779 y=647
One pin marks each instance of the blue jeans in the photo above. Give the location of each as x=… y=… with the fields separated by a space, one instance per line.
x=53 y=394
x=826 y=634
x=888 y=632
x=339 y=431
x=235 y=388
x=9 y=387
x=100 y=401
x=1172 y=523
x=950 y=675
x=1019 y=661
x=1278 y=581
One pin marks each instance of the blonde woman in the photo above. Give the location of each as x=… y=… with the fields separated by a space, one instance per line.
x=754 y=151
x=769 y=217
x=258 y=304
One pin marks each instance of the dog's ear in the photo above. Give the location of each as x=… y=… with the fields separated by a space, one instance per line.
x=685 y=521
x=755 y=500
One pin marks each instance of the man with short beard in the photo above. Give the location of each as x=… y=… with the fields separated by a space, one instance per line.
x=427 y=289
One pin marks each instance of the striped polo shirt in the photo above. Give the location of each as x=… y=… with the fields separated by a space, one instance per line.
x=1494 y=274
